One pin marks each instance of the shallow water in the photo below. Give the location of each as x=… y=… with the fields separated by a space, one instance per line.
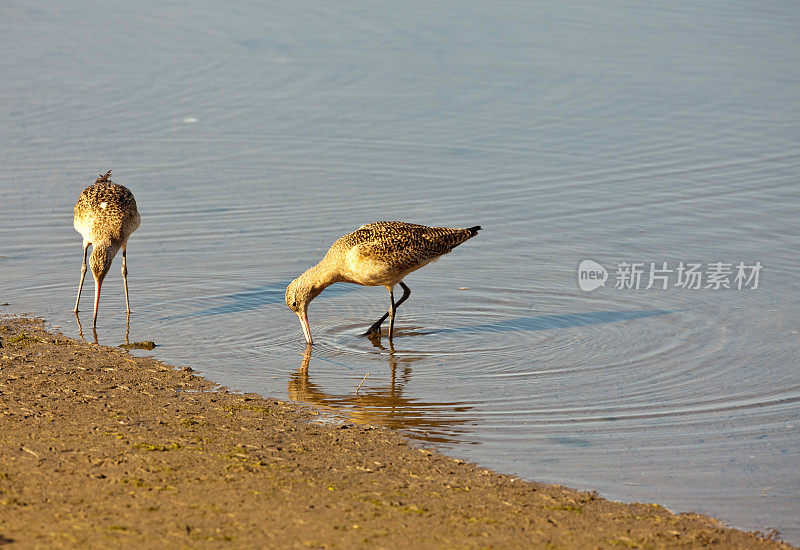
x=254 y=136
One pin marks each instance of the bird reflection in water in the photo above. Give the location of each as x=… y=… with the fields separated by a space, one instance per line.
x=94 y=330
x=385 y=405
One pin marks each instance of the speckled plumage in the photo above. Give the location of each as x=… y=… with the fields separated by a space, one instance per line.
x=380 y=253
x=106 y=212
x=400 y=246
x=105 y=216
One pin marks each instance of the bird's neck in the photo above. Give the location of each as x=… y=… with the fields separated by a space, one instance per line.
x=319 y=277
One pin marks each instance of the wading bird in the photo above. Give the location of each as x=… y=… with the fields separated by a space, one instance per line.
x=376 y=254
x=105 y=215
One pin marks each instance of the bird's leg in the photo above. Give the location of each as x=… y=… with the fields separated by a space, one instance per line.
x=125 y=281
x=83 y=274
x=392 y=308
x=376 y=326
x=406 y=294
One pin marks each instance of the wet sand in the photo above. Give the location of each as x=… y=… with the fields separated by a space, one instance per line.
x=101 y=448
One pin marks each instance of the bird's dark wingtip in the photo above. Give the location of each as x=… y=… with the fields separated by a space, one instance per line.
x=103 y=177
x=474 y=230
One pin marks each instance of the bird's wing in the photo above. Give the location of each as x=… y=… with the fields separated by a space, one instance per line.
x=406 y=246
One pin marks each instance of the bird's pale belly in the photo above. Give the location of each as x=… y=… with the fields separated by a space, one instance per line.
x=373 y=272
x=370 y=272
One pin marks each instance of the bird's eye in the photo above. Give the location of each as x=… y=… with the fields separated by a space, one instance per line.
x=294 y=304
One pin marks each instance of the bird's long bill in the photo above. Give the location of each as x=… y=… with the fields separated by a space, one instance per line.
x=97 y=285
x=306 y=328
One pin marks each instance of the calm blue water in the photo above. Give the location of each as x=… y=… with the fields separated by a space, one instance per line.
x=254 y=135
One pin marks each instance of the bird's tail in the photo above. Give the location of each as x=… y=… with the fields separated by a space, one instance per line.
x=473 y=230
x=104 y=177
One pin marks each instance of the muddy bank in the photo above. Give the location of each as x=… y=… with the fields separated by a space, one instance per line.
x=100 y=448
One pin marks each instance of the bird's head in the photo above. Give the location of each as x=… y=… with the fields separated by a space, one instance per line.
x=299 y=294
x=100 y=260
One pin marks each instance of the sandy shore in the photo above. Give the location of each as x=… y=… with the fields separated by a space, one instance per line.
x=99 y=448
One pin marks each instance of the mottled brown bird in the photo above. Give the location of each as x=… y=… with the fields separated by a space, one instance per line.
x=380 y=253
x=105 y=215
